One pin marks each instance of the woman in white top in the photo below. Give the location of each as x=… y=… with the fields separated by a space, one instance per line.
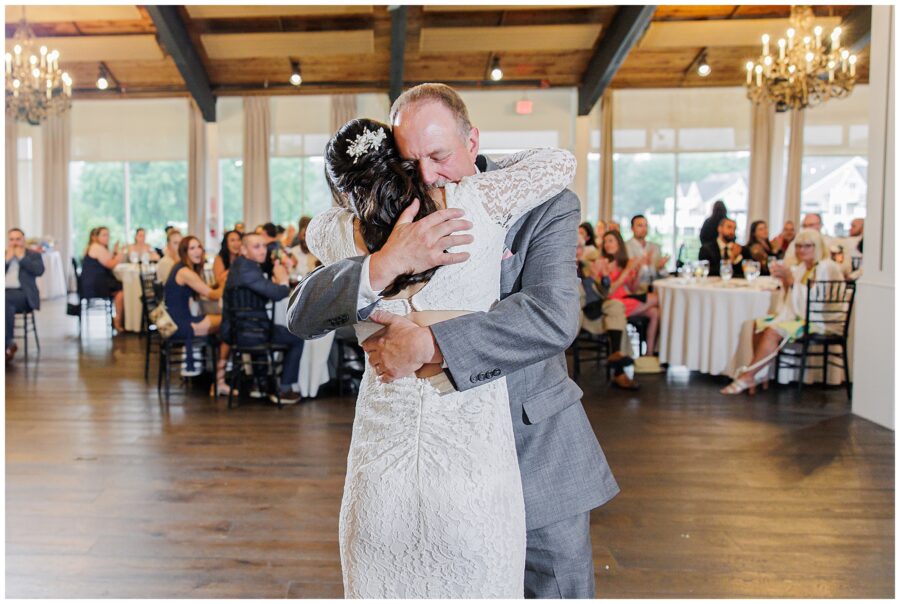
x=787 y=324
x=141 y=247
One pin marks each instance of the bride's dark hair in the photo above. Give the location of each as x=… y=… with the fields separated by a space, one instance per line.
x=376 y=187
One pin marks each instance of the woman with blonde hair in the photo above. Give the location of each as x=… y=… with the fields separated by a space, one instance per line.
x=771 y=333
x=97 y=278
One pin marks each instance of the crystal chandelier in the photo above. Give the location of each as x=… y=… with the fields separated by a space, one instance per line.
x=802 y=70
x=35 y=86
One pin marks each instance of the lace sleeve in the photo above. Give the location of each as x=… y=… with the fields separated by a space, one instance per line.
x=330 y=236
x=523 y=181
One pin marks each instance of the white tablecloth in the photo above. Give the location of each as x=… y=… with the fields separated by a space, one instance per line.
x=52 y=284
x=701 y=321
x=314 y=361
x=130 y=276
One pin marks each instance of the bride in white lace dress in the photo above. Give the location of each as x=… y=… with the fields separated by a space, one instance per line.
x=433 y=504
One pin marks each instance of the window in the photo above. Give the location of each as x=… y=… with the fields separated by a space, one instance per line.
x=97 y=199
x=703 y=179
x=298 y=188
x=644 y=183
x=123 y=196
x=677 y=152
x=231 y=191
x=835 y=187
x=676 y=191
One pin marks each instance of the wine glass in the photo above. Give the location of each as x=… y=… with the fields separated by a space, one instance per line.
x=726 y=270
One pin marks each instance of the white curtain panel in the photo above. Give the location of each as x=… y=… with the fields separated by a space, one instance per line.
x=56 y=141
x=606 y=157
x=795 y=167
x=761 y=149
x=343 y=109
x=257 y=128
x=12 y=173
x=196 y=172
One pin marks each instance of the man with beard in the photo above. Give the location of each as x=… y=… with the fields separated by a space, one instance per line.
x=723 y=248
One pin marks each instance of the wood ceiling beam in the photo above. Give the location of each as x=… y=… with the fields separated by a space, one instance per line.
x=623 y=34
x=857 y=28
x=398 y=51
x=174 y=36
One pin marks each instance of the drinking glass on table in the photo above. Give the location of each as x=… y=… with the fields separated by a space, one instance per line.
x=726 y=271
x=133 y=257
x=704 y=269
x=751 y=270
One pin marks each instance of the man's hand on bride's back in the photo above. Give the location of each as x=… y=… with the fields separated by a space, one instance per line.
x=415 y=247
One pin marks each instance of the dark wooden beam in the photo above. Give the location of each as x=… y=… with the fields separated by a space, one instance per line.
x=398 y=50
x=623 y=33
x=857 y=26
x=174 y=37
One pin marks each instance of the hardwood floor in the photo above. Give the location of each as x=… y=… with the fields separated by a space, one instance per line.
x=110 y=493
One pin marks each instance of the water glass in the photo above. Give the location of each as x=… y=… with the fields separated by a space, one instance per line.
x=751 y=270
x=704 y=268
x=133 y=257
x=726 y=270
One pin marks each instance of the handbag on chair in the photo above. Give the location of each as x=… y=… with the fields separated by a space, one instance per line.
x=163 y=321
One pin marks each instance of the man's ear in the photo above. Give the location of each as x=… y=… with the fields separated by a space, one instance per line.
x=472 y=143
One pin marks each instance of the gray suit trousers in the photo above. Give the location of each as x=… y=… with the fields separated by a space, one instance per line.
x=559 y=561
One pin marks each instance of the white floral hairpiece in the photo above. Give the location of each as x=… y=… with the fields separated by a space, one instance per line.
x=365 y=142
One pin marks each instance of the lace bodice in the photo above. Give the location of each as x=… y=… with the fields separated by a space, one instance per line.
x=492 y=201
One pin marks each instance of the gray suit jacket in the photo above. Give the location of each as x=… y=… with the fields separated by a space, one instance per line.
x=524 y=337
x=31 y=266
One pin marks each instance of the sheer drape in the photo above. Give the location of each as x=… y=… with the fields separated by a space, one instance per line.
x=196 y=172
x=606 y=157
x=761 y=148
x=12 y=175
x=257 y=128
x=56 y=138
x=795 y=168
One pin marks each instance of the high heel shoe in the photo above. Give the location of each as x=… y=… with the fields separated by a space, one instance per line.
x=737 y=386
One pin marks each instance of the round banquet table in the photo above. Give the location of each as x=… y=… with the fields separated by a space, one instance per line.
x=130 y=276
x=52 y=284
x=314 y=362
x=701 y=321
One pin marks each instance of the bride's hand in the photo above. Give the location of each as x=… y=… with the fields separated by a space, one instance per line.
x=415 y=247
x=401 y=348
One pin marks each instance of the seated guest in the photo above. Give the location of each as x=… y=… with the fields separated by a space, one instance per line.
x=170 y=258
x=614 y=226
x=289 y=236
x=780 y=244
x=185 y=282
x=140 y=247
x=619 y=275
x=852 y=249
x=810 y=221
x=306 y=262
x=228 y=251
x=246 y=272
x=97 y=278
x=601 y=228
x=239 y=227
x=758 y=247
x=586 y=234
x=653 y=263
x=22 y=267
x=709 y=230
x=600 y=314
x=774 y=331
x=269 y=233
x=722 y=248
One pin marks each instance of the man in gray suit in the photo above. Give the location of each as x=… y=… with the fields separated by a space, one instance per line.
x=22 y=295
x=524 y=337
